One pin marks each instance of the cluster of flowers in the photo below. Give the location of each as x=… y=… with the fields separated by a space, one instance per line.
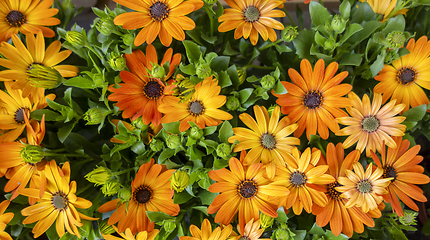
x=272 y=174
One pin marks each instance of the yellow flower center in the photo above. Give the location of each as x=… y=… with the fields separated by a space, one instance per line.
x=15 y=18
x=60 y=200
x=247 y=189
x=196 y=108
x=364 y=186
x=251 y=14
x=153 y=89
x=268 y=141
x=19 y=115
x=370 y=124
x=390 y=172
x=332 y=192
x=159 y=11
x=298 y=179
x=406 y=76
x=142 y=194
x=312 y=99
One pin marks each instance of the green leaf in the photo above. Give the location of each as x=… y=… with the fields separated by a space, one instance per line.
x=303 y=43
x=282 y=49
x=300 y=234
x=225 y=131
x=319 y=14
x=64 y=131
x=413 y=116
x=351 y=30
x=352 y=59
x=202 y=209
x=220 y=63
x=55 y=105
x=138 y=148
x=345 y=9
x=209 y=130
x=244 y=94
x=363 y=13
x=182 y=197
x=319 y=39
x=208 y=39
x=49 y=115
x=358 y=37
x=224 y=79
x=158 y=216
x=252 y=79
x=172 y=127
x=378 y=65
x=279 y=88
x=189 y=69
x=316 y=230
x=220 y=163
x=330 y=236
x=207 y=197
x=282 y=217
x=165 y=154
x=229 y=51
x=80 y=82
x=234 y=77
x=193 y=51
x=395 y=24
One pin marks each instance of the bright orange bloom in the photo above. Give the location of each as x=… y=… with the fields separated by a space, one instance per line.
x=29 y=16
x=151 y=192
x=252 y=17
x=5 y=218
x=58 y=203
x=341 y=219
x=304 y=181
x=127 y=235
x=267 y=138
x=201 y=108
x=140 y=94
x=314 y=98
x=370 y=124
x=243 y=189
x=401 y=164
x=165 y=19
x=206 y=232
x=19 y=59
x=385 y=8
x=251 y=231
x=409 y=74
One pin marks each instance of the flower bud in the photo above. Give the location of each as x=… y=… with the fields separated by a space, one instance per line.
x=95 y=115
x=338 y=24
x=223 y=150
x=267 y=82
x=98 y=79
x=105 y=228
x=409 y=218
x=156 y=145
x=116 y=61
x=196 y=132
x=289 y=33
x=396 y=39
x=76 y=38
x=173 y=141
x=241 y=72
x=124 y=194
x=329 y=44
x=283 y=233
x=128 y=39
x=203 y=70
x=111 y=188
x=43 y=77
x=210 y=2
x=179 y=180
x=232 y=103
x=271 y=109
x=32 y=153
x=138 y=124
x=158 y=72
x=266 y=221
x=105 y=26
x=99 y=176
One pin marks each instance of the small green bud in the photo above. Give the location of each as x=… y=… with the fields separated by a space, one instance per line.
x=158 y=72
x=169 y=225
x=105 y=26
x=266 y=221
x=338 y=24
x=95 y=115
x=367 y=74
x=116 y=61
x=329 y=44
x=232 y=103
x=156 y=145
x=409 y=218
x=128 y=39
x=124 y=194
x=289 y=33
x=138 y=124
x=210 y=2
x=99 y=79
x=173 y=141
x=179 y=180
x=271 y=109
x=241 y=72
x=283 y=233
x=111 y=188
x=32 y=153
x=223 y=150
x=77 y=39
x=267 y=82
x=396 y=39
x=105 y=228
x=99 y=176
x=203 y=70
x=43 y=77
x=196 y=132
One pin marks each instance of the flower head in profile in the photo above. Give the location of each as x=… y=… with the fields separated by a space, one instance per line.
x=342 y=219
x=165 y=19
x=5 y=218
x=128 y=235
x=370 y=124
x=405 y=78
x=268 y=138
x=304 y=181
x=201 y=108
x=401 y=164
x=150 y=192
x=140 y=94
x=206 y=232
x=252 y=17
x=19 y=59
x=244 y=190
x=29 y=16
x=385 y=8
x=363 y=189
x=58 y=203
x=314 y=98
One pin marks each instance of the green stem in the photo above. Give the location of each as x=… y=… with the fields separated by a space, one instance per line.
x=259 y=67
x=211 y=19
x=321 y=148
x=289 y=17
x=62 y=154
x=125 y=171
x=271 y=44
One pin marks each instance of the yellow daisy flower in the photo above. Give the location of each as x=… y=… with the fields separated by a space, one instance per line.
x=128 y=235
x=385 y=8
x=206 y=232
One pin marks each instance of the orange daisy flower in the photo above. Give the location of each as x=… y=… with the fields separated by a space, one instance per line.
x=201 y=108
x=314 y=98
x=20 y=58
x=140 y=94
x=370 y=124
x=30 y=16
x=251 y=231
x=341 y=218
x=150 y=192
x=58 y=203
x=267 y=138
x=206 y=232
x=165 y=19
x=304 y=181
x=252 y=17
x=407 y=76
x=401 y=164
x=363 y=189
x=127 y=235
x=5 y=218
x=385 y=8
x=243 y=189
